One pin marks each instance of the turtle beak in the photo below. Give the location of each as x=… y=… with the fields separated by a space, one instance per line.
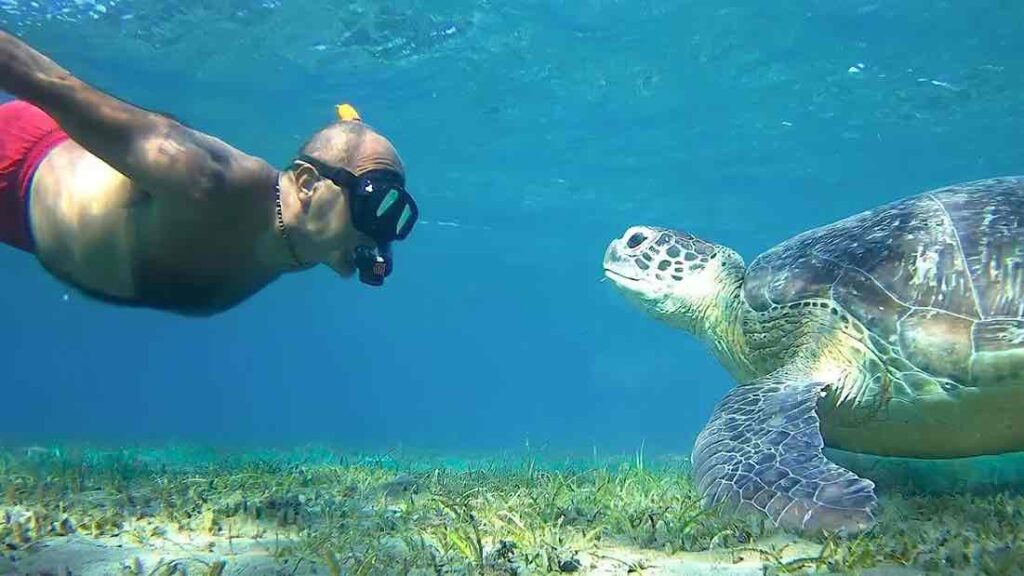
x=619 y=267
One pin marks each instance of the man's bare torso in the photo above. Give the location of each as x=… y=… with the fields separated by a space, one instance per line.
x=189 y=253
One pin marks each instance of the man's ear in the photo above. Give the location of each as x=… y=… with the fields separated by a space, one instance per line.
x=306 y=178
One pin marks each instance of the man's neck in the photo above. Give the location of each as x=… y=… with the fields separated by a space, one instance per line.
x=277 y=249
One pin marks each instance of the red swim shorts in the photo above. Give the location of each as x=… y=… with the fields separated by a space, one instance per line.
x=27 y=134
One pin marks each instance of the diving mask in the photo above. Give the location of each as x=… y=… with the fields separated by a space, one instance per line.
x=381 y=206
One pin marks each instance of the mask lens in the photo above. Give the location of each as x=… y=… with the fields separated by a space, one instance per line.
x=403 y=220
x=387 y=202
x=408 y=218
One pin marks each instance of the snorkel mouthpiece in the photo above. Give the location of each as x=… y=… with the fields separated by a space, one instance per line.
x=374 y=264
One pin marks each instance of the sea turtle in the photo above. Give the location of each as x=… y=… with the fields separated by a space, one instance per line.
x=895 y=332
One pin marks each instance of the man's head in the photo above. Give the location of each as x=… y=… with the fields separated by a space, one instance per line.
x=336 y=169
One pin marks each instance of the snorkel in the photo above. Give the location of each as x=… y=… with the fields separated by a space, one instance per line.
x=374 y=264
x=381 y=209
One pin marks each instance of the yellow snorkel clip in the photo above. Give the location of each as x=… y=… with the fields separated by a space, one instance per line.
x=347 y=113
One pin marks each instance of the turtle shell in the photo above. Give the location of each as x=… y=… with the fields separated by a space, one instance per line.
x=937 y=276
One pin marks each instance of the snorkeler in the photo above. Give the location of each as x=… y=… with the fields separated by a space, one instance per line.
x=132 y=207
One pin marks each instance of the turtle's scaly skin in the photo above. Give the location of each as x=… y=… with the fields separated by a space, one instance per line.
x=925 y=296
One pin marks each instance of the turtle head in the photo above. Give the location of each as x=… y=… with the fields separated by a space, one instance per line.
x=676 y=277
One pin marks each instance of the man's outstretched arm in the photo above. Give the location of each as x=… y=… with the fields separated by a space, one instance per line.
x=160 y=154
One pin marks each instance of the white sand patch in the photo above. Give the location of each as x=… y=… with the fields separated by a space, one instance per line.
x=81 y=555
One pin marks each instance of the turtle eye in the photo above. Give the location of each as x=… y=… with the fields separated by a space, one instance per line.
x=636 y=239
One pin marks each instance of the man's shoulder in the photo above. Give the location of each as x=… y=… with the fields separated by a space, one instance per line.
x=239 y=172
x=252 y=171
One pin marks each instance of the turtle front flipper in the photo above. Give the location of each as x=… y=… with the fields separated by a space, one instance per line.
x=762 y=449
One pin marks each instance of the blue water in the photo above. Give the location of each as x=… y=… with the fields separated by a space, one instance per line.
x=533 y=133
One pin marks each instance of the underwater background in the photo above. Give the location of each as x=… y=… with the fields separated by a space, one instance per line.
x=533 y=133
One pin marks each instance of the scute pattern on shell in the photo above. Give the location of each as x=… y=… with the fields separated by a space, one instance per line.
x=949 y=261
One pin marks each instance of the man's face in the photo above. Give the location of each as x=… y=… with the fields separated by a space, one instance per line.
x=375 y=153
